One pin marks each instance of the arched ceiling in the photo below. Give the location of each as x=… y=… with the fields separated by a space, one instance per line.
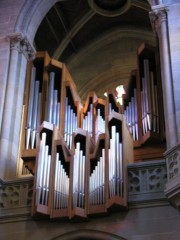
x=79 y=31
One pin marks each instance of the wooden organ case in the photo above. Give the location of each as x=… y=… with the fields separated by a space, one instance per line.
x=143 y=106
x=77 y=153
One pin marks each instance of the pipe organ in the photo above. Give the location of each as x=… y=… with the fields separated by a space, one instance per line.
x=143 y=108
x=77 y=150
x=80 y=151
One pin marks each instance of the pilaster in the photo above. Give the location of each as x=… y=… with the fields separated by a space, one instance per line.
x=20 y=52
x=159 y=20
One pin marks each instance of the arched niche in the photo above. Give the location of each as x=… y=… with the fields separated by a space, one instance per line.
x=88 y=235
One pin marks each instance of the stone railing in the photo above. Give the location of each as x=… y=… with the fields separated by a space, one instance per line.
x=172 y=189
x=146 y=183
x=16 y=198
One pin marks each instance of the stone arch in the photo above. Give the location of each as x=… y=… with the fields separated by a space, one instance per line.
x=31 y=15
x=89 y=235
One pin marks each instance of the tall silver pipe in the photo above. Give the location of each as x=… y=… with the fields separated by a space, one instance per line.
x=39 y=111
x=56 y=181
x=40 y=168
x=121 y=170
x=117 y=164
x=54 y=106
x=31 y=98
x=66 y=119
x=30 y=107
x=136 y=113
x=103 y=175
x=45 y=174
x=50 y=96
x=148 y=91
x=48 y=179
x=75 y=176
x=34 y=117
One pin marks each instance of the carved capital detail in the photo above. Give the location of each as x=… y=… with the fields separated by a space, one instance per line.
x=157 y=17
x=20 y=43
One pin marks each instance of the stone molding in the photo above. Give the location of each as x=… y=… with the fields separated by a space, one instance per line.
x=157 y=16
x=20 y=43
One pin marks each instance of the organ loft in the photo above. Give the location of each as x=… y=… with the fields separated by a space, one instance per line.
x=89 y=119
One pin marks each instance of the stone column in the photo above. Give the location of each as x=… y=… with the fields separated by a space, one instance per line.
x=160 y=24
x=20 y=53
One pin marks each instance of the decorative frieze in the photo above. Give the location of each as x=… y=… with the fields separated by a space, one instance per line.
x=15 y=198
x=20 y=43
x=146 y=182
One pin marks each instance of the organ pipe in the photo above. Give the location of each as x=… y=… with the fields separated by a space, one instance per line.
x=115 y=164
x=67 y=187
x=149 y=102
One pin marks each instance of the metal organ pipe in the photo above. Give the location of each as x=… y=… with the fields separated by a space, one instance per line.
x=34 y=117
x=70 y=123
x=52 y=105
x=61 y=183
x=88 y=120
x=97 y=182
x=149 y=101
x=43 y=173
x=34 y=109
x=99 y=124
x=79 y=178
x=33 y=114
x=115 y=165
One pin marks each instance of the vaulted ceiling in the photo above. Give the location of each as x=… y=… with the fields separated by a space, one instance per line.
x=79 y=32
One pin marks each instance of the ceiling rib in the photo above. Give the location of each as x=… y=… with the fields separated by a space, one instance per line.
x=52 y=30
x=72 y=33
x=58 y=12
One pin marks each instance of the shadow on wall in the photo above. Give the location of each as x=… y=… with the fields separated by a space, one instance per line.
x=88 y=235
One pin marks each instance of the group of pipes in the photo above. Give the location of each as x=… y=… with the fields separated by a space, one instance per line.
x=79 y=172
x=43 y=172
x=33 y=117
x=61 y=185
x=97 y=182
x=99 y=124
x=52 y=113
x=70 y=124
x=52 y=103
x=88 y=120
x=149 y=105
x=115 y=164
x=96 y=178
x=131 y=115
x=149 y=101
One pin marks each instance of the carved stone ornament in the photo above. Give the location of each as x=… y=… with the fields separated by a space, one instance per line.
x=157 y=17
x=20 y=43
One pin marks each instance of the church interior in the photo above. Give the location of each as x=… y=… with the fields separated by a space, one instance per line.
x=89 y=119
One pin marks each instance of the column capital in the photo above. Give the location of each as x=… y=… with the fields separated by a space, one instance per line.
x=20 y=43
x=158 y=16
